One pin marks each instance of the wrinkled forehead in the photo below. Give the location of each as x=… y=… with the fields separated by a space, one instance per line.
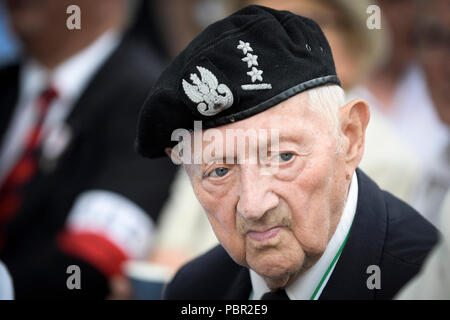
x=290 y=124
x=285 y=115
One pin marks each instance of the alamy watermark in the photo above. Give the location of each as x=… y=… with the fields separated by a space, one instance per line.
x=228 y=146
x=374 y=19
x=374 y=280
x=74 y=280
x=73 y=21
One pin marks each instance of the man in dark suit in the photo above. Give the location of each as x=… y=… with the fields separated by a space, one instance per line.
x=273 y=160
x=72 y=190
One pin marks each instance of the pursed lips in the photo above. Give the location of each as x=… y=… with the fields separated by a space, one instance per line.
x=265 y=234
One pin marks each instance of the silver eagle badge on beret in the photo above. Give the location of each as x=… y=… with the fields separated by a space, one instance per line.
x=211 y=96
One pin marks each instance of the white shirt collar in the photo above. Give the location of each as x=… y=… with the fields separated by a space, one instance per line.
x=305 y=285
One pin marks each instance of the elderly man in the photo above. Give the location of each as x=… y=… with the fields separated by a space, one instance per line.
x=295 y=217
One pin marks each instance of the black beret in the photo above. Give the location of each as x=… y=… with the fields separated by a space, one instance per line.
x=236 y=68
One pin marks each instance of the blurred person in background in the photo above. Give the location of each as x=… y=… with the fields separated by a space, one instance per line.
x=432 y=34
x=398 y=87
x=399 y=17
x=72 y=189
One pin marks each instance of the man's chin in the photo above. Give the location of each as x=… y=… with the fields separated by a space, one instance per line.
x=275 y=266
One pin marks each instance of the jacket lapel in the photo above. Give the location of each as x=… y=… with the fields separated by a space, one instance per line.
x=86 y=112
x=241 y=286
x=9 y=93
x=101 y=87
x=364 y=245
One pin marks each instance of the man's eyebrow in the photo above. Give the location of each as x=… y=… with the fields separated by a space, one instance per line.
x=297 y=138
x=288 y=137
x=221 y=158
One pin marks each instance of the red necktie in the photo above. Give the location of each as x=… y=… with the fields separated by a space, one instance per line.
x=27 y=164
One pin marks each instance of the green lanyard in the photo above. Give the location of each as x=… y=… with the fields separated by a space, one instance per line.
x=330 y=267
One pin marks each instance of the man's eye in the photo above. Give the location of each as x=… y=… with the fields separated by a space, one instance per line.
x=218 y=172
x=285 y=156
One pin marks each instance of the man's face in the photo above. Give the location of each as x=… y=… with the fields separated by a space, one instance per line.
x=277 y=224
x=31 y=17
x=33 y=20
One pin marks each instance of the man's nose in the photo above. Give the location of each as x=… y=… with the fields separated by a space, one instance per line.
x=256 y=196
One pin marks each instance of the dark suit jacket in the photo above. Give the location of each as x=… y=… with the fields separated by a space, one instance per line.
x=385 y=232
x=100 y=156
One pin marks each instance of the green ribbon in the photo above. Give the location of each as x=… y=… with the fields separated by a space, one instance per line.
x=330 y=267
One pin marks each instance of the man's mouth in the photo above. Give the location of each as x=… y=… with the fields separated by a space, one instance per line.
x=263 y=235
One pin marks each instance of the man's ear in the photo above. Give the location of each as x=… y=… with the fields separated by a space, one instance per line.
x=354 y=117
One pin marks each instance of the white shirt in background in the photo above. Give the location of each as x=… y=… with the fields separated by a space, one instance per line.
x=416 y=123
x=413 y=116
x=6 y=285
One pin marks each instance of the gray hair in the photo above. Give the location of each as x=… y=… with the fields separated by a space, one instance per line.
x=326 y=101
